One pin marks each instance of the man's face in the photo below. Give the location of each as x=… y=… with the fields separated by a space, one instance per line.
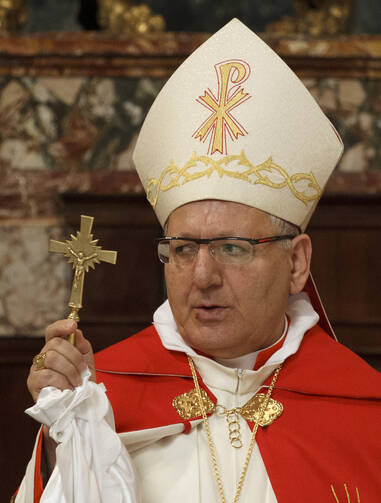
x=228 y=310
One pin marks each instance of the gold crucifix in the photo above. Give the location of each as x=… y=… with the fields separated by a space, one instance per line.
x=83 y=252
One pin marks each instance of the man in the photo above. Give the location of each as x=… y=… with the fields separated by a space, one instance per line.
x=235 y=393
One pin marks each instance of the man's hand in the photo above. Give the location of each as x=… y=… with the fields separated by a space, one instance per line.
x=63 y=363
x=63 y=366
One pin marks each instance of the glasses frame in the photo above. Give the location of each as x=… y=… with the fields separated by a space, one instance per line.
x=206 y=241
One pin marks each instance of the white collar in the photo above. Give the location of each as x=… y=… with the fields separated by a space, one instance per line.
x=300 y=312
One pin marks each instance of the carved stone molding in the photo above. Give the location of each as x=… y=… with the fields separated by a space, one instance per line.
x=158 y=55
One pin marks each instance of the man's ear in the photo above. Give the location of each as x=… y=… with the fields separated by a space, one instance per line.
x=301 y=258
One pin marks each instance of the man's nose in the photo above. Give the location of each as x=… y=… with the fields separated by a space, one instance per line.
x=207 y=272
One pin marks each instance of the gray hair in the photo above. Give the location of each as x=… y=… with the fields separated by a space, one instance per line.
x=281 y=226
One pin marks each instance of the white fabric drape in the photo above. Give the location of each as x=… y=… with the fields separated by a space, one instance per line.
x=92 y=463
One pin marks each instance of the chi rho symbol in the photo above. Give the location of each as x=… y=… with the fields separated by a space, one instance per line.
x=230 y=76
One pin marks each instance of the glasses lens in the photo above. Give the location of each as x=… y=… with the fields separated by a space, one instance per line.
x=183 y=251
x=178 y=251
x=163 y=251
x=234 y=251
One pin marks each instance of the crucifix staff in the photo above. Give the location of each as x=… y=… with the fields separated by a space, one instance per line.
x=83 y=252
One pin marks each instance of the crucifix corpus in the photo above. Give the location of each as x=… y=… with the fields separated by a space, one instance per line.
x=83 y=252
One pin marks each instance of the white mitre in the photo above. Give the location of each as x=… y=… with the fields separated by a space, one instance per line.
x=235 y=123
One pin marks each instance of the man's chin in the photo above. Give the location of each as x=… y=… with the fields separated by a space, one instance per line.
x=208 y=340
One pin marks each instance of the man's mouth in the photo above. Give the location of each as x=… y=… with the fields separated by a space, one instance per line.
x=210 y=306
x=210 y=312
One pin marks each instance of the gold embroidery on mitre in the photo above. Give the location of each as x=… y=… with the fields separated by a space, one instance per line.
x=347 y=495
x=230 y=75
x=188 y=405
x=235 y=166
x=252 y=410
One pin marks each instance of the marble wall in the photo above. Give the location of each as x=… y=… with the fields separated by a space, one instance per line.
x=53 y=133
x=74 y=123
x=34 y=284
x=58 y=132
x=90 y=124
x=354 y=107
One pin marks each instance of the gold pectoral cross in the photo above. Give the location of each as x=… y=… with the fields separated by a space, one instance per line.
x=83 y=252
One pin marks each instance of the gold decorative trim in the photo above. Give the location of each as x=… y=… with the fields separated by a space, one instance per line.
x=203 y=166
x=188 y=406
x=323 y=17
x=121 y=17
x=347 y=494
x=252 y=409
x=12 y=15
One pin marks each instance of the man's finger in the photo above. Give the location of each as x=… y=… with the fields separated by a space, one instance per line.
x=62 y=365
x=62 y=347
x=82 y=344
x=61 y=328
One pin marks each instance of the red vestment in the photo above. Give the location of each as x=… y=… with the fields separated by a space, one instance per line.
x=328 y=435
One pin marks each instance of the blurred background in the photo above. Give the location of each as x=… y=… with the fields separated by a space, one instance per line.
x=197 y=15
x=77 y=78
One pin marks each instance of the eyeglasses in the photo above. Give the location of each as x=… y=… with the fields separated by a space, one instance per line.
x=226 y=250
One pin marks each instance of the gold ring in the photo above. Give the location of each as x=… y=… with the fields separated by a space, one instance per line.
x=39 y=361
